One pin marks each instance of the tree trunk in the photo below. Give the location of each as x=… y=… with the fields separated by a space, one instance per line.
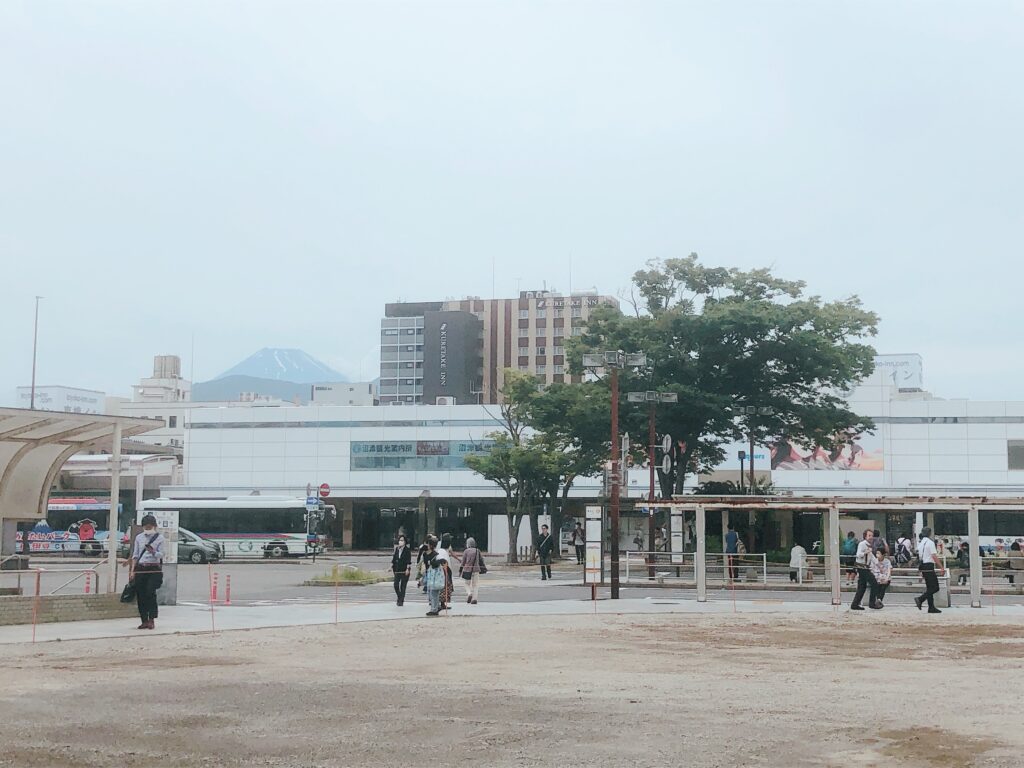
x=514 y=521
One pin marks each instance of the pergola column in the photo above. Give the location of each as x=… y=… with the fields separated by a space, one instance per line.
x=831 y=551
x=977 y=573
x=699 y=564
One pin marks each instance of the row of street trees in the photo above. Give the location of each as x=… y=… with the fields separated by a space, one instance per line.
x=749 y=355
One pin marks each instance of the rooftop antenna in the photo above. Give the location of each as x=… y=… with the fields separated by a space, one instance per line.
x=570 y=273
x=494 y=293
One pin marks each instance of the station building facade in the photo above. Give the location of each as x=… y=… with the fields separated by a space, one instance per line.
x=388 y=469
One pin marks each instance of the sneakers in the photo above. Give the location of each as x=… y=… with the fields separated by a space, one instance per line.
x=917 y=602
x=469 y=599
x=473 y=602
x=432 y=613
x=147 y=625
x=856 y=607
x=876 y=606
x=934 y=610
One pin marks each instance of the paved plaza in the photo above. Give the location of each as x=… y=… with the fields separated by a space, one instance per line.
x=645 y=682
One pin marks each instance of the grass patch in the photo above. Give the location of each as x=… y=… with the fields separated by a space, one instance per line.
x=345 y=574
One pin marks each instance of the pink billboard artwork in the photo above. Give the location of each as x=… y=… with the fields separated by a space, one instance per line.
x=856 y=453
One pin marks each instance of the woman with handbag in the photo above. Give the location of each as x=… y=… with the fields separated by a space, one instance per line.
x=472 y=567
x=146 y=570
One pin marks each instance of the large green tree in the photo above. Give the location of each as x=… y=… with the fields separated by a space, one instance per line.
x=728 y=340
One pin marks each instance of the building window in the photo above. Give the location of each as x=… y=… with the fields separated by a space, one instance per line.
x=541 y=313
x=390 y=331
x=559 y=369
x=577 y=312
x=542 y=350
x=413 y=349
x=523 y=314
x=524 y=368
x=557 y=350
x=577 y=331
x=541 y=368
x=524 y=333
x=559 y=313
x=1015 y=454
x=172 y=421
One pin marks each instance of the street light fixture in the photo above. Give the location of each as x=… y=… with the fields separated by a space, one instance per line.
x=652 y=399
x=613 y=361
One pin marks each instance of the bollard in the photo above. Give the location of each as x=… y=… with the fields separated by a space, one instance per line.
x=227 y=589
x=213 y=588
x=88 y=582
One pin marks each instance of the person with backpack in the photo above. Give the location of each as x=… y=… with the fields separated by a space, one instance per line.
x=545 y=548
x=904 y=550
x=146 y=570
x=847 y=555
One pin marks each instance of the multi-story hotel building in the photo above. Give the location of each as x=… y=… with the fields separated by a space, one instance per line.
x=526 y=334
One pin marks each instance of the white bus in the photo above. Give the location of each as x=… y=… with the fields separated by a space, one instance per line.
x=251 y=526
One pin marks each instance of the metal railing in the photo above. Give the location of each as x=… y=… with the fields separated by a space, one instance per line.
x=677 y=565
x=683 y=566
x=90 y=574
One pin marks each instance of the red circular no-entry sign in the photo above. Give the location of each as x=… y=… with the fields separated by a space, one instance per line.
x=325 y=490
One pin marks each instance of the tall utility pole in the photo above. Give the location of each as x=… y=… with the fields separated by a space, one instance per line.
x=616 y=479
x=35 y=344
x=751 y=411
x=613 y=361
x=652 y=399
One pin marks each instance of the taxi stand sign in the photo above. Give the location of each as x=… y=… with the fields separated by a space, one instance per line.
x=593 y=570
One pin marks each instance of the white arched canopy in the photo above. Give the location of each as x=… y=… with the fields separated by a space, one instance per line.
x=34 y=446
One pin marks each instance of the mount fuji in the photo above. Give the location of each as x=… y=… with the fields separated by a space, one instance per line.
x=282 y=373
x=292 y=365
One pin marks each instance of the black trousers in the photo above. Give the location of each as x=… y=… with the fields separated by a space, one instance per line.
x=146 y=585
x=931 y=584
x=545 y=566
x=880 y=594
x=580 y=553
x=401 y=582
x=865 y=579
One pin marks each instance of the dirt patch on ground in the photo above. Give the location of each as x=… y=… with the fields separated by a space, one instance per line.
x=697 y=690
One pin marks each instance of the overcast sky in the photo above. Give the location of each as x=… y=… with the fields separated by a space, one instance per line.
x=270 y=174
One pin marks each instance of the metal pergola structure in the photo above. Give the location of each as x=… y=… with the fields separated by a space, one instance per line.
x=831 y=508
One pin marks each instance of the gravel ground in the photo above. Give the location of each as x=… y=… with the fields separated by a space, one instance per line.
x=901 y=688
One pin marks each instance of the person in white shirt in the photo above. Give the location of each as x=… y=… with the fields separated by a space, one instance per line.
x=865 y=578
x=881 y=568
x=146 y=570
x=797 y=563
x=930 y=567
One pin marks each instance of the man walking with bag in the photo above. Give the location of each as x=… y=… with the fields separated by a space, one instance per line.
x=865 y=578
x=545 y=548
x=930 y=566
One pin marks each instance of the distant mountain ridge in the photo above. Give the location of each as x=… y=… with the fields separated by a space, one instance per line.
x=283 y=373
x=292 y=365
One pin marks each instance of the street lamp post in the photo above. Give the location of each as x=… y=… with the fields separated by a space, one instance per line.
x=35 y=340
x=742 y=456
x=652 y=399
x=613 y=361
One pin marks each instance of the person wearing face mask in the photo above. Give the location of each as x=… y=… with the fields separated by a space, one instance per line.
x=401 y=567
x=146 y=570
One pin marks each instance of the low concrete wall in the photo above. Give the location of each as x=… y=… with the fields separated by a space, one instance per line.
x=19 y=610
